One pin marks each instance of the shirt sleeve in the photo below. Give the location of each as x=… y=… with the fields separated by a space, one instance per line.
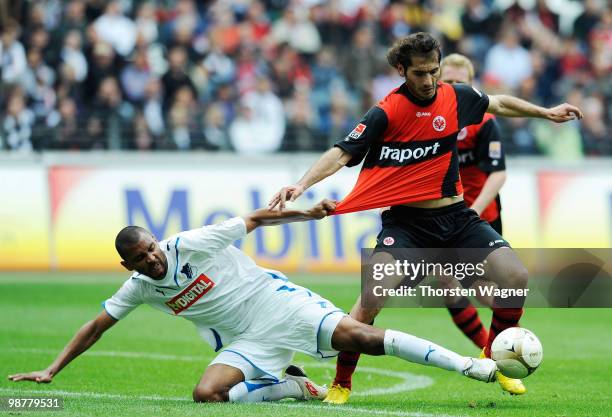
x=126 y=299
x=368 y=131
x=491 y=155
x=211 y=239
x=472 y=104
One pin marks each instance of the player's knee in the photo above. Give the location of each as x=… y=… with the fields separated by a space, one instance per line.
x=368 y=340
x=204 y=393
x=517 y=276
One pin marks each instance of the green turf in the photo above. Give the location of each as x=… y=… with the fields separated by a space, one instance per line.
x=162 y=358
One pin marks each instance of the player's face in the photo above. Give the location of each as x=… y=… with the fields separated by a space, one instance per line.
x=452 y=74
x=422 y=76
x=147 y=258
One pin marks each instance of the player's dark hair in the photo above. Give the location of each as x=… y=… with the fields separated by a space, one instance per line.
x=128 y=236
x=417 y=44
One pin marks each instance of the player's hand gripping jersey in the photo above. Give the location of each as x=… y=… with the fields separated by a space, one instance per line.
x=410 y=147
x=480 y=153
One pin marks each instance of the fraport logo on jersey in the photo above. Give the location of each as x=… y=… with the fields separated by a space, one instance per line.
x=191 y=294
x=401 y=155
x=439 y=123
x=357 y=132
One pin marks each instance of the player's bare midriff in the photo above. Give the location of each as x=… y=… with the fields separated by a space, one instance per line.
x=436 y=203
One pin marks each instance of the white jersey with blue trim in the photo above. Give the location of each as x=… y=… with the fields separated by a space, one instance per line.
x=208 y=282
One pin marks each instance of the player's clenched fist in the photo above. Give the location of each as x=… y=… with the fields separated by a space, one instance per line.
x=563 y=113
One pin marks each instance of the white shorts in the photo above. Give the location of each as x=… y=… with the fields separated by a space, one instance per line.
x=292 y=319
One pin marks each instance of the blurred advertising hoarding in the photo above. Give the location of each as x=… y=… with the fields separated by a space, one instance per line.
x=65 y=216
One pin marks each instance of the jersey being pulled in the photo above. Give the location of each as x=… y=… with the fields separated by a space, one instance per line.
x=410 y=147
x=208 y=282
x=480 y=153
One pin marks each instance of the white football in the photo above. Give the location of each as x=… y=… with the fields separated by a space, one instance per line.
x=517 y=352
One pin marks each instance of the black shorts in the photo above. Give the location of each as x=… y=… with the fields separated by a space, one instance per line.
x=453 y=226
x=497 y=225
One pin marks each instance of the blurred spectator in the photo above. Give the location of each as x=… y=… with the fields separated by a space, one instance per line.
x=38 y=82
x=116 y=29
x=300 y=134
x=176 y=76
x=12 y=54
x=73 y=56
x=589 y=18
x=135 y=77
x=215 y=129
x=596 y=139
x=260 y=125
x=558 y=140
x=146 y=23
x=73 y=20
x=152 y=109
x=361 y=62
x=104 y=64
x=111 y=116
x=295 y=29
x=64 y=130
x=17 y=123
x=507 y=61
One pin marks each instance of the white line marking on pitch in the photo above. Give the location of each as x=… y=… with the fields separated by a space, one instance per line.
x=341 y=408
x=410 y=381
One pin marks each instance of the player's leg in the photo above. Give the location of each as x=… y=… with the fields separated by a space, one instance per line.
x=232 y=377
x=215 y=384
x=347 y=360
x=352 y=335
x=464 y=314
x=505 y=269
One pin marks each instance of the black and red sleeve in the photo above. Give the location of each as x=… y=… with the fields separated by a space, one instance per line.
x=472 y=104
x=368 y=131
x=489 y=148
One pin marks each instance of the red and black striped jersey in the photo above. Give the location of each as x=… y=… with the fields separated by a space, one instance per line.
x=410 y=147
x=480 y=153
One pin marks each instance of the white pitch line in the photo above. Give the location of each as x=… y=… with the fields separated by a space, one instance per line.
x=347 y=408
x=410 y=381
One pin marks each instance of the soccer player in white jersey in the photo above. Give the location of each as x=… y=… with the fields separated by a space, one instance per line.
x=257 y=318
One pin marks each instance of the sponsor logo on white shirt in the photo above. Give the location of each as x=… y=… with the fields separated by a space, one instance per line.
x=191 y=294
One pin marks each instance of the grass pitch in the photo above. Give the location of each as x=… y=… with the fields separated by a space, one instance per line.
x=147 y=364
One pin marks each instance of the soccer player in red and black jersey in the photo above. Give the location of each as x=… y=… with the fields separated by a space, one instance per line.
x=408 y=145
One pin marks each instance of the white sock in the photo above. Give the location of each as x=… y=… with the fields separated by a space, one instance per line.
x=424 y=352
x=260 y=390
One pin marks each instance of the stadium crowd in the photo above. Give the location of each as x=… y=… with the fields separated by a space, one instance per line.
x=282 y=75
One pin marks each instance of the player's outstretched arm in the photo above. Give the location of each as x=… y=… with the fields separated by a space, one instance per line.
x=87 y=335
x=329 y=163
x=267 y=217
x=490 y=190
x=509 y=106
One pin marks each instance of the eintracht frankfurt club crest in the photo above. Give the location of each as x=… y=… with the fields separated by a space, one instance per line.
x=439 y=123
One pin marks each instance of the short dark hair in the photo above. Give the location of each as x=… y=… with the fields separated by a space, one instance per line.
x=128 y=236
x=417 y=44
